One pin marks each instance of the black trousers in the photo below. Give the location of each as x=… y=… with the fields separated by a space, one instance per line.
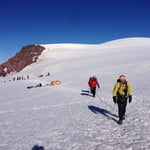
x=93 y=90
x=122 y=103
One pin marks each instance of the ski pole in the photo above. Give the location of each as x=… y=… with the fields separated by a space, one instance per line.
x=100 y=91
x=102 y=100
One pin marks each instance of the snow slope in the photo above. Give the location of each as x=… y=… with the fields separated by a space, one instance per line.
x=66 y=117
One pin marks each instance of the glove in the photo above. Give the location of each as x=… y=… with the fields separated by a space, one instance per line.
x=98 y=86
x=114 y=99
x=130 y=98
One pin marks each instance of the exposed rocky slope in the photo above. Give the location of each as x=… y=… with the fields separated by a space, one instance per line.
x=27 y=55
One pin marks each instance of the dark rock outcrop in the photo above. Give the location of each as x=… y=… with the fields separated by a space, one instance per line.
x=27 y=55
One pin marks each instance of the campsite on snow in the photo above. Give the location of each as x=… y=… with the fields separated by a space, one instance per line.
x=61 y=114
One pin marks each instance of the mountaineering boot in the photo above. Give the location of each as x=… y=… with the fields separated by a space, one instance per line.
x=120 y=122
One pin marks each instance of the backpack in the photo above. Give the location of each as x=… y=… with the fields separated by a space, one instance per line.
x=126 y=87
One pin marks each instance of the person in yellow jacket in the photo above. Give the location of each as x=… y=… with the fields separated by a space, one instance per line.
x=121 y=92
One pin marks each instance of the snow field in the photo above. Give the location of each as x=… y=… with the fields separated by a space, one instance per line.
x=66 y=117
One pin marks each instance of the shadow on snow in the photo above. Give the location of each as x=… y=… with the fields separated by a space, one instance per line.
x=36 y=147
x=86 y=93
x=104 y=112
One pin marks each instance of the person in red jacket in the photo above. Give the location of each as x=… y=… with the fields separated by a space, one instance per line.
x=92 y=84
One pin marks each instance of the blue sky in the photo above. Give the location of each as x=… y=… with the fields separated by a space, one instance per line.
x=24 y=22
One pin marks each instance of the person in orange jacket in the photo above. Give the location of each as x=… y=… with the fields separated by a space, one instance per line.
x=93 y=83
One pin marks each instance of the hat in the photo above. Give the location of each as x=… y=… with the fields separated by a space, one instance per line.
x=122 y=77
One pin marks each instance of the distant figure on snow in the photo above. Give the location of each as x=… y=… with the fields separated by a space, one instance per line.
x=121 y=92
x=38 y=85
x=92 y=84
x=27 y=76
x=48 y=74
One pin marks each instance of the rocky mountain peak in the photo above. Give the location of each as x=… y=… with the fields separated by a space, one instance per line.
x=26 y=56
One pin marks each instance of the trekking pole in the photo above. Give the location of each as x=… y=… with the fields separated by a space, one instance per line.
x=100 y=94
x=100 y=91
x=103 y=101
